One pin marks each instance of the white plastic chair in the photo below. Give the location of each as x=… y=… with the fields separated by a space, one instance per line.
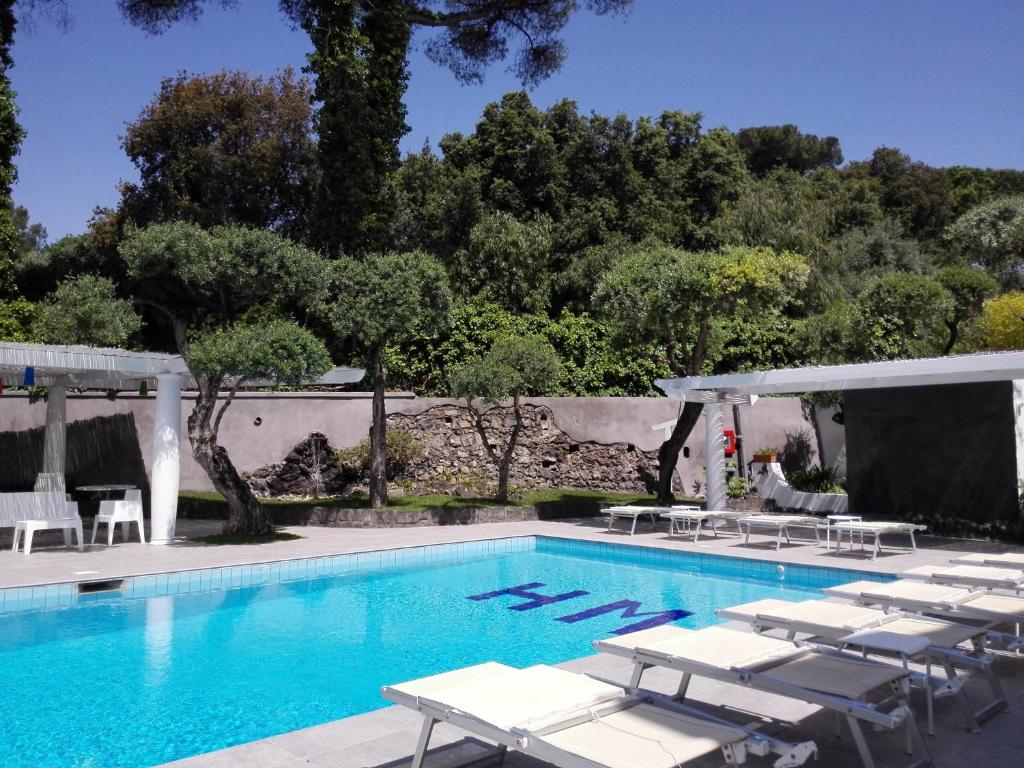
x=125 y=511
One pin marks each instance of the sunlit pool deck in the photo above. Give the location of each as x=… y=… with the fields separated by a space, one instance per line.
x=387 y=737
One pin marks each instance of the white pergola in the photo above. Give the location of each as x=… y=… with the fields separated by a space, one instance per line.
x=59 y=368
x=714 y=391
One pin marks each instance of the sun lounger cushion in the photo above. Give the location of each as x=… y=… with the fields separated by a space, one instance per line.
x=644 y=736
x=724 y=648
x=836 y=676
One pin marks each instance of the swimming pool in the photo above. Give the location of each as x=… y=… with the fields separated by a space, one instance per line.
x=178 y=664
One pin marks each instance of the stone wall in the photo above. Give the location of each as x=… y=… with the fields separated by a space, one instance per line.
x=455 y=461
x=261 y=428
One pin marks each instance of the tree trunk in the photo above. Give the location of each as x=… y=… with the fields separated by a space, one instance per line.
x=246 y=516
x=668 y=454
x=378 y=437
x=741 y=453
x=954 y=332
x=506 y=459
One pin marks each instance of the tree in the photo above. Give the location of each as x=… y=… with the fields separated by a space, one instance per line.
x=992 y=236
x=900 y=315
x=508 y=262
x=11 y=135
x=380 y=300
x=1003 y=321
x=969 y=287
x=360 y=60
x=229 y=295
x=227 y=148
x=874 y=251
x=678 y=297
x=86 y=310
x=784 y=146
x=515 y=366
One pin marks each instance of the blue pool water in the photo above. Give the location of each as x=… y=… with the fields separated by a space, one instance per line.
x=112 y=681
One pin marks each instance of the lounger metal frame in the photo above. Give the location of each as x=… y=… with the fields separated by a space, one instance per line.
x=781 y=524
x=950 y=659
x=635 y=513
x=855 y=711
x=863 y=528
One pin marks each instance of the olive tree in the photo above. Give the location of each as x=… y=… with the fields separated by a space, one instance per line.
x=514 y=366
x=677 y=299
x=376 y=301
x=230 y=295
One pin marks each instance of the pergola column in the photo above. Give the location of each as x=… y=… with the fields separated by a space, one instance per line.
x=55 y=436
x=714 y=456
x=166 y=459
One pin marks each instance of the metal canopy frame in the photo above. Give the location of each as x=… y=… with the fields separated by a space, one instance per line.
x=961 y=369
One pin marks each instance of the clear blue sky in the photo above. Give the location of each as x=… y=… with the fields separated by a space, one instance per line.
x=940 y=79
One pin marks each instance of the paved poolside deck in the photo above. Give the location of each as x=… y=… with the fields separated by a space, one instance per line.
x=386 y=738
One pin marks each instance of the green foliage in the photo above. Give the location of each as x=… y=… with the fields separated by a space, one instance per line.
x=226 y=148
x=359 y=60
x=736 y=488
x=591 y=365
x=17 y=320
x=40 y=271
x=868 y=252
x=1003 y=321
x=86 y=310
x=969 y=287
x=514 y=366
x=279 y=351
x=217 y=276
x=507 y=262
x=11 y=135
x=384 y=298
x=403 y=450
x=816 y=480
x=901 y=316
x=676 y=298
x=784 y=146
x=992 y=236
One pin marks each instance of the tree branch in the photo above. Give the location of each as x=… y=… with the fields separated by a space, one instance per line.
x=224 y=407
x=424 y=17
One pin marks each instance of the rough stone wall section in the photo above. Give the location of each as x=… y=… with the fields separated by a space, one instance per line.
x=310 y=470
x=455 y=461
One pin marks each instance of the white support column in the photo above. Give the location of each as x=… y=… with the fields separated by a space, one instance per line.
x=55 y=436
x=166 y=460
x=714 y=456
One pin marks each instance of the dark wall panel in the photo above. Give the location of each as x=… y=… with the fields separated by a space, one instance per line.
x=100 y=450
x=946 y=450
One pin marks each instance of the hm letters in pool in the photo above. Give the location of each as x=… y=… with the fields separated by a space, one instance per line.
x=628 y=608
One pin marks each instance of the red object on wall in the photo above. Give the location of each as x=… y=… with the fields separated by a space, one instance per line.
x=729 y=440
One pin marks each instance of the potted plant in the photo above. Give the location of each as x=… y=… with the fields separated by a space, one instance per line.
x=765 y=455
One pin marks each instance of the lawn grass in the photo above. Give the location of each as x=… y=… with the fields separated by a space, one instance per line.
x=545 y=497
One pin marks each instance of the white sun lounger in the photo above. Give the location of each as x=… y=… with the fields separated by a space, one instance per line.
x=1005 y=560
x=632 y=513
x=875 y=529
x=906 y=636
x=695 y=517
x=978 y=576
x=862 y=691
x=575 y=721
x=779 y=525
x=988 y=610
